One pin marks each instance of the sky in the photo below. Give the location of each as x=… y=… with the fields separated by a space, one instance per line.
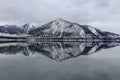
x=102 y=14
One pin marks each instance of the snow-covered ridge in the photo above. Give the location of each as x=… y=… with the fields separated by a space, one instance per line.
x=58 y=28
x=27 y=27
x=12 y=31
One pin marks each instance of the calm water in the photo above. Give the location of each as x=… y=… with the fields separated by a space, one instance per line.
x=60 y=61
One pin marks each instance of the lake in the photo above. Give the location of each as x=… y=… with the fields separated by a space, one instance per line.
x=60 y=61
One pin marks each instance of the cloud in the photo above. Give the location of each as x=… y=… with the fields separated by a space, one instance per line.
x=103 y=14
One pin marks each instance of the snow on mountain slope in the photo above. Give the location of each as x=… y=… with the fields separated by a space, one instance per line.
x=27 y=27
x=12 y=31
x=93 y=30
x=60 y=28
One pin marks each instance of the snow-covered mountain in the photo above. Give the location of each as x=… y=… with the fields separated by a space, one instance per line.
x=60 y=28
x=28 y=27
x=12 y=31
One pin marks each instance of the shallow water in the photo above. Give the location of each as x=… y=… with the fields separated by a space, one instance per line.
x=60 y=61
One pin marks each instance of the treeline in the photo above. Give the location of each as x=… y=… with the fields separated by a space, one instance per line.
x=12 y=39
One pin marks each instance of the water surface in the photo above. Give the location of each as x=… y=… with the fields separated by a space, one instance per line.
x=60 y=61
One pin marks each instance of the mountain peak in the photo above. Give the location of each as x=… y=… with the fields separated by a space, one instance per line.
x=61 y=28
x=58 y=20
x=28 y=27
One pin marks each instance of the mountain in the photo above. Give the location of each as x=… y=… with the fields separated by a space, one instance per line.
x=57 y=29
x=60 y=28
x=11 y=31
x=28 y=27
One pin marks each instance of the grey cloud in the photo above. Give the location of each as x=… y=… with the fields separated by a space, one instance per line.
x=103 y=14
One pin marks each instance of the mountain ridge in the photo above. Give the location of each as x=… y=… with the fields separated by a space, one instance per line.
x=59 y=28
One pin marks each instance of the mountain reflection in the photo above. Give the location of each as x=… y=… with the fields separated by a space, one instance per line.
x=56 y=50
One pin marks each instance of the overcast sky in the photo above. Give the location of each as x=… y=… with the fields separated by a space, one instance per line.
x=102 y=14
